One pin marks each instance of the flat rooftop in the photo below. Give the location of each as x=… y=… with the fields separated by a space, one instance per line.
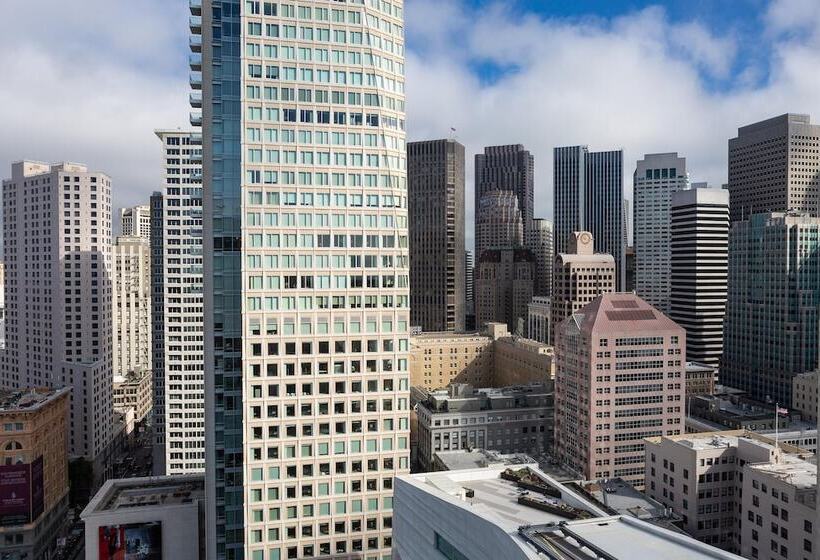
x=618 y=538
x=27 y=401
x=480 y=458
x=487 y=495
x=147 y=492
x=625 y=499
x=794 y=471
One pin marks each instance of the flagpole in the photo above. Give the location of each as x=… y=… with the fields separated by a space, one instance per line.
x=776 y=422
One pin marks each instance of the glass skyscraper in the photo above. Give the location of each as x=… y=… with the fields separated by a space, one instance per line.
x=306 y=275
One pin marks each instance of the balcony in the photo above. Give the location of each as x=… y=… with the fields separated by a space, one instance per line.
x=196 y=139
x=195 y=99
x=196 y=80
x=195 y=23
x=195 y=41
x=196 y=7
x=196 y=118
x=195 y=61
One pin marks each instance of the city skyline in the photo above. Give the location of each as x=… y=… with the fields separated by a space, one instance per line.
x=142 y=77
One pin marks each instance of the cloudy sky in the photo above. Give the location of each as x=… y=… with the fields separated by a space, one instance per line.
x=90 y=80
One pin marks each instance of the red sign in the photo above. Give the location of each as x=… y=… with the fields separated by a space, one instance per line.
x=21 y=493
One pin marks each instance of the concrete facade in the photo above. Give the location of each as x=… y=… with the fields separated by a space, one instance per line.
x=134 y=390
x=131 y=305
x=620 y=378
x=498 y=222
x=57 y=238
x=515 y=419
x=540 y=240
x=774 y=166
x=435 y=206
x=656 y=178
x=503 y=287
x=805 y=395
x=580 y=276
x=539 y=319
x=136 y=221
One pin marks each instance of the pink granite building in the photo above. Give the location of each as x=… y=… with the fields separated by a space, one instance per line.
x=620 y=378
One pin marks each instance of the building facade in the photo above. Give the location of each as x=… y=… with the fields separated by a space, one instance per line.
x=508 y=169
x=57 y=238
x=131 y=304
x=503 y=287
x=699 y=239
x=539 y=319
x=774 y=167
x=177 y=331
x=435 y=206
x=134 y=390
x=135 y=221
x=34 y=460
x=771 y=325
x=656 y=178
x=540 y=241
x=498 y=222
x=515 y=419
x=620 y=378
x=579 y=276
x=283 y=298
x=589 y=196
x=806 y=396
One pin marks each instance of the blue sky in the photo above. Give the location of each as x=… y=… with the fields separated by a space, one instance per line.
x=681 y=75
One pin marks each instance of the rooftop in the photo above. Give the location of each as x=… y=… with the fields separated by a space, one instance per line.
x=617 y=538
x=27 y=401
x=147 y=492
x=724 y=439
x=623 y=499
x=792 y=470
x=480 y=458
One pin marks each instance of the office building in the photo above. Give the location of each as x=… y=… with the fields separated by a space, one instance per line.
x=164 y=515
x=805 y=396
x=731 y=487
x=579 y=276
x=629 y=259
x=773 y=306
x=540 y=242
x=619 y=378
x=699 y=239
x=131 y=304
x=700 y=378
x=177 y=305
x=589 y=196
x=469 y=293
x=508 y=169
x=33 y=471
x=134 y=390
x=539 y=315
x=135 y=221
x=492 y=358
x=498 y=222
x=514 y=419
x=774 y=167
x=57 y=239
x=2 y=306
x=519 y=512
x=656 y=178
x=314 y=302
x=503 y=287
x=435 y=207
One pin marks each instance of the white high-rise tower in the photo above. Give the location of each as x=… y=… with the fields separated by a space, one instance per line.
x=306 y=275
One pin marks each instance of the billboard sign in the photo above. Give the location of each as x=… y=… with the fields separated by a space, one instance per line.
x=21 y=493
x=136 y=541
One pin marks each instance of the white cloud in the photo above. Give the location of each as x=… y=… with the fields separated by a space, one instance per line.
x=635 y=82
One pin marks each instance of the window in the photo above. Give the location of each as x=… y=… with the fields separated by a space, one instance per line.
x=448 y=550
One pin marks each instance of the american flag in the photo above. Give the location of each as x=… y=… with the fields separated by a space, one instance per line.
x=781 y=410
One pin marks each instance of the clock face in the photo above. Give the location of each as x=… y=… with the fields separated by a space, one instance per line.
x=585 y=238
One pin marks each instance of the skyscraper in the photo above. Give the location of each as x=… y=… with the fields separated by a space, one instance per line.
x=504 y=168
x=57 y=246
x=179 y=386
x=771 y=326
x=135 y=221
x=435 y=202
x=306 y=276
x=774 y=166
x=131 y=304
x=619 y=378
x=498 y=222
x=503 y=288
x=469 y=292
x=541 y=243
x=589 y=196
x=656 y=177
x=579 y=276
x=699 y=240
